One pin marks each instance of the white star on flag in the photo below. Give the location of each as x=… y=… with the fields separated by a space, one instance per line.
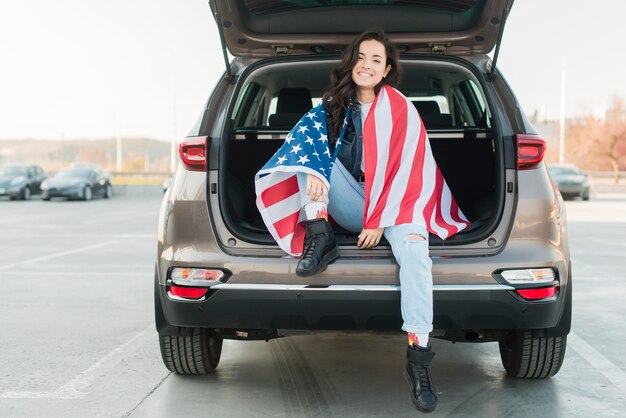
x=323 y=138
x=309 y=140
x=327 y=152
x=289 y=138
x=295 y=148
x=303 y=159
x=303 y=129
x=311 y=115
x=281 y=160
x=317 y=125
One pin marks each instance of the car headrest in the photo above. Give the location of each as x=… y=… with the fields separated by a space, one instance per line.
x=430 y=106
x=294 y=100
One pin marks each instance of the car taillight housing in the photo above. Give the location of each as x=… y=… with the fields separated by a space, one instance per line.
x=193 y=152
x=530 y=151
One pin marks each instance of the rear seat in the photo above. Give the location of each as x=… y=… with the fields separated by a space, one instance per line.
x=431 y=115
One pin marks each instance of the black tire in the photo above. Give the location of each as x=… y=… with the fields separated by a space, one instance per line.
x=26 y=194
x=585 y=195
x=528 y=357
x=87 y=193
x=197 y=354
x=108 y=191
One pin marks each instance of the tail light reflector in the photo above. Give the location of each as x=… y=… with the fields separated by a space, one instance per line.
x=187 y=292
x=540 y=293
x=530 y=151
x=193 y=153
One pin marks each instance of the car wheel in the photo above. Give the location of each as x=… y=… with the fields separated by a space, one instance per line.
x=585 y=195
x=45 y=197
x=198 y=353
x=87 y=193
x=26 y=193
x=529 y=357
x=108 y=192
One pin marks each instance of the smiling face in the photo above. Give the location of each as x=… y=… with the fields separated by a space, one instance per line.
x=369 y=69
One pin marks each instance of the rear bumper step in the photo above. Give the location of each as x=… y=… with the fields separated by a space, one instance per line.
x=243 y=306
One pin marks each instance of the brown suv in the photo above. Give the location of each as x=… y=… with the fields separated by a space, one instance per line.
x=219 y=273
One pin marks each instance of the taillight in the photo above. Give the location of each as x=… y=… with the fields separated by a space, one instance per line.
x=193 y=153
x=530 y=151
x=540 y=293
x=187 y=292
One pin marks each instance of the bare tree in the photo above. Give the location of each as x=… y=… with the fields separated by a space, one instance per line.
x=594 y=143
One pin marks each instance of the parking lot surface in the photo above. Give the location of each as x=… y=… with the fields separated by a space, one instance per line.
x=77 y=334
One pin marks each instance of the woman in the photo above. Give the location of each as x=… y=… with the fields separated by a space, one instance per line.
x=377 y=177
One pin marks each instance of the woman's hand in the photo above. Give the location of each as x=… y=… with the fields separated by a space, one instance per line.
x=369 y=238
x=316 y=189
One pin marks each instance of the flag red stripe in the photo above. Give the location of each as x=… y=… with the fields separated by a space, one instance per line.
x=297 y=241
x=438 y=215
x=398 y=105
x=280 y=191
x=454 y=212
x=287 y=225
x=370 y=153
x=416 y=180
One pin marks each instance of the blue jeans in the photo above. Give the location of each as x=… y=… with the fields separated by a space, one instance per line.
x=346 y=203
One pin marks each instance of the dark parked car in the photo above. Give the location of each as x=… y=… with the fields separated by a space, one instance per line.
x=77 y=183
x=167 y=183
x=570 y=181
x=21 y=181
x=220 y=274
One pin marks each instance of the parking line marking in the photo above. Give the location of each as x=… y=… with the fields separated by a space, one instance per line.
x=599 y=362
x=59 y=254
x=74 y=389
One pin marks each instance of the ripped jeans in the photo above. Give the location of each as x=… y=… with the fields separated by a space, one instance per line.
x=346 y=203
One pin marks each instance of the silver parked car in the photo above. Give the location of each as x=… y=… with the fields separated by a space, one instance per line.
x=220 y=274
x=570 y=181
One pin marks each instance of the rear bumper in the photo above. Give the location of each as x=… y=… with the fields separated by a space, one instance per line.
x=70 y=194
x=483 y=307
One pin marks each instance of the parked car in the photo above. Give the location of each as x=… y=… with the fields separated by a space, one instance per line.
x=167 y=183
x=21 y=181
x=570 y=181
x=220 y=274
x=77 y=183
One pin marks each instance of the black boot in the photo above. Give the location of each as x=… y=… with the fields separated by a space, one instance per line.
x=320 y=248
x=417 y=373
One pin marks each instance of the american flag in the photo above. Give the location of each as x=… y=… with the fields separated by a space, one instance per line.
x=306 y=149
x=402 y=181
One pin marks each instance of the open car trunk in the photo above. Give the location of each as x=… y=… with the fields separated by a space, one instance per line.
x=273 y=95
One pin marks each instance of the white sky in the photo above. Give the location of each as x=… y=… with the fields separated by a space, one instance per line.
x=74 y=68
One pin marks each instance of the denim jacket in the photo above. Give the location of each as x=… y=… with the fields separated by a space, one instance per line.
x=351 y=150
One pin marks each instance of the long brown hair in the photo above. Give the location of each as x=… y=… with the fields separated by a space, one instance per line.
x=337 y=98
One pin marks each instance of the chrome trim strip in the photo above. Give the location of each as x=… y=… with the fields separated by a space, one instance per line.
x=353 y=288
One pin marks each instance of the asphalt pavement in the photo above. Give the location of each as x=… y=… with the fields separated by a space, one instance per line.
x=77 y=337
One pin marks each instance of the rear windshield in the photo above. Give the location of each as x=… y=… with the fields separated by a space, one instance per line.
x=13 y=171
x=275 y=97
x=261 y=7
x=560 y=170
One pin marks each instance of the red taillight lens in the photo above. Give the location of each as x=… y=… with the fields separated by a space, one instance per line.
x=534 y=294
x=530 y=151
x=187 y=292
x=193 y=153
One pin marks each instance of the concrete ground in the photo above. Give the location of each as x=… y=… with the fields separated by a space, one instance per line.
x=77 y=335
